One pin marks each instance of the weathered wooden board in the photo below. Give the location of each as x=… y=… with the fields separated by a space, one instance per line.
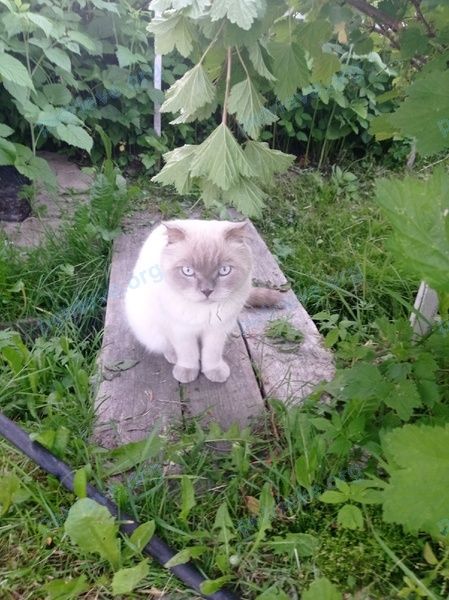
x=137 y=389
x=286 y=376
x=129 y=402
x=236 y=401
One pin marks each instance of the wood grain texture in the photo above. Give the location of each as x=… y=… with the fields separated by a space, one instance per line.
x=238 y=400
x=286 y=376
x=130 y=402
x=137 y=390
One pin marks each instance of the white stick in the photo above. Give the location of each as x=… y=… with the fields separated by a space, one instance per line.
x=426 y=307
x=157 y=86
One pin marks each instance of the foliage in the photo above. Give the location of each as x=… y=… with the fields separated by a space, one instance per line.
x=243 y=51
x=251 y=514
x=66 y=70
x=324 y=121
x=419 y=213
x=418 y=468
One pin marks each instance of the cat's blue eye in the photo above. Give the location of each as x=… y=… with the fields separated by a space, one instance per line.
x=188 y=271
x=224 y=270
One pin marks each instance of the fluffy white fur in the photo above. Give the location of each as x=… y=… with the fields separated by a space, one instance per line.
x=173 y=317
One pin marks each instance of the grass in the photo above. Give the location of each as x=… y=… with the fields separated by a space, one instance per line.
x=330 y=237
x=274 y=532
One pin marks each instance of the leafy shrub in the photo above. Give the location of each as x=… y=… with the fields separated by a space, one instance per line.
x=323 y=121
x=65 y=70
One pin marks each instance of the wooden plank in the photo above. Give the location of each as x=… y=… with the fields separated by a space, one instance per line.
x=286 y=376
x=238 y=400
x=129 y=402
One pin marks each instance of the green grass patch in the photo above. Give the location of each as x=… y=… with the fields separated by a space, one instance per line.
x=293 y=504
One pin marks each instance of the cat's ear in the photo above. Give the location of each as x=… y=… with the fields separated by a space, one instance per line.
x=174 y=232
x=237 y=232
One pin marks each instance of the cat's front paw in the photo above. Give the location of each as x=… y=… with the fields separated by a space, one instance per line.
x=220 y=374
x=185 y=375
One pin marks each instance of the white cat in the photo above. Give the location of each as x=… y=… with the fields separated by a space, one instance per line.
x=191 y=280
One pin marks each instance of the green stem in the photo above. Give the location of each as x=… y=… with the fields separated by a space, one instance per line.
x=242 y=62
x=310 y=133
x=228 y=85
x=27 y=56
x=323 y=147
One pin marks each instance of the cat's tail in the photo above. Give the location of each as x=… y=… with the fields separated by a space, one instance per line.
x=260 y=297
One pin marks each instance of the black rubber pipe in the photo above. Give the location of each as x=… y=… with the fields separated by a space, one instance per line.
x=156 y=548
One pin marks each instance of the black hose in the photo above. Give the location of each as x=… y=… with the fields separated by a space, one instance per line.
x=156 y=548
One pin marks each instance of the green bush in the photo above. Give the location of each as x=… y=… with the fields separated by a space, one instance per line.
x=324 y=121
x=66 y=68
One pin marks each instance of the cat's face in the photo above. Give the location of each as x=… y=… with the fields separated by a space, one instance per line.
x=206 y=265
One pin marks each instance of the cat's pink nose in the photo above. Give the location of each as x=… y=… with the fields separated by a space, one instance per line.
x=207 y=292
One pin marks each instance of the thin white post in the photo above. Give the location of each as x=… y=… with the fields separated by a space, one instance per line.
x=157 y=86
x=426 y=310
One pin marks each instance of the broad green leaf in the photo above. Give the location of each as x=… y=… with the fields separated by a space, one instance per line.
x=109 y=6
x=75 y=136
x=220 y=159
x=304 y=544
x=382 y=127
x=5 y=130
x=190 y=93
x=94 y=530
x=211 y=586
x=424 y=114
x=265 y=162
x=248 y=106
x=240 y=12
x=59 y=58
x=126 y=580
x=413 y=41
x=40 y=21
x=246 y=196
x=418 y=457
x=176 y=170
x=322 y=589
x=187 y=497
x=360 y=108
x=332 y=497
x=419 y=214
x=324 y=67
x=404 y=398
x=142 y=535
x=313 y=34
x=57 y=93
x=350 y=517
x=13 y=70
x=201 y=114
x=66 y=589
x=289 y=68
x=172 y=32
x=33 y=167
x=125 y=57
x=184 y=556
x=83 y=39
x=7 y=152
x=258 y=62
x=129 y=455
x=52 y=117
x=273 y=593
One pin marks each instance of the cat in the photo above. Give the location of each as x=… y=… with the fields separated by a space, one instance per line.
x=190 y=282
